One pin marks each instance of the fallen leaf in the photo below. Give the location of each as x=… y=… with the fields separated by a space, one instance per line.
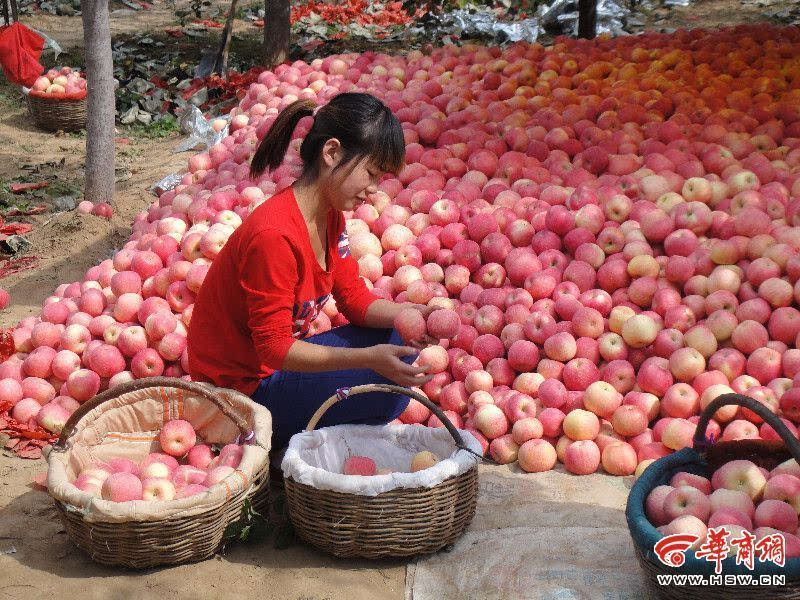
x=17 y=188
x=30 y=452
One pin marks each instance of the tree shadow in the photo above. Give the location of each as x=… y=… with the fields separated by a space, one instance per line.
x=21 y=120
x=280 y=547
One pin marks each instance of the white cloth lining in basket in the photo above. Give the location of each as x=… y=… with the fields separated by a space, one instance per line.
x=315 y=458
x=137 y=415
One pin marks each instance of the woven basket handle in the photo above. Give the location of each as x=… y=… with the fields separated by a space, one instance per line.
x=343 y=393
x=762 y=411
x=149 y=382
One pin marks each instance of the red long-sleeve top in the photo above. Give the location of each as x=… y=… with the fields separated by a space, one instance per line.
x=262 y=292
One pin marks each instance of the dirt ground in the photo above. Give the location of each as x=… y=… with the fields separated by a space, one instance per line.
x=36 y=558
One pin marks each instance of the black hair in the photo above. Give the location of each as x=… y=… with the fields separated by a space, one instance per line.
x=363 y=125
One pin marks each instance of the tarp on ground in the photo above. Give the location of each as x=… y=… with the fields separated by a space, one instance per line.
x=544 y=536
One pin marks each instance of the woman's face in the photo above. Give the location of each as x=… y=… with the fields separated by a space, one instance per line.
x=350 y=184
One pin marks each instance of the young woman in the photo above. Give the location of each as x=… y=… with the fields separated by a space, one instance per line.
x=287 y=259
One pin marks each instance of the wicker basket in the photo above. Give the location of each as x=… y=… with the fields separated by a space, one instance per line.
x=57 y=115
x=179 y=538
x=703 y=459
x=399 y=523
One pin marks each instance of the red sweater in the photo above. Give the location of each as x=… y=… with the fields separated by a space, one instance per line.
x=263 y=291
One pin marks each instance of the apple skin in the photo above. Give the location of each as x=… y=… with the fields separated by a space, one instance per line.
x=177 y=437
x=740 y=475
x=687 y=500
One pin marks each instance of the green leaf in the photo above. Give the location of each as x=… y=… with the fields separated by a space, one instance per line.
x=245 y=532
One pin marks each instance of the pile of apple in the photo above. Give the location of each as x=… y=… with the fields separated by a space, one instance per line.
x=740 y=495
x=59 y=81
x=614 y=222
x=160 y=476
x=366 y=467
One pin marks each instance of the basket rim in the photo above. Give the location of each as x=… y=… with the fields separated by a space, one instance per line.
x=398 y=490
x=94 y=509
x=459 y=459
x=195 y=510
x=55 y=100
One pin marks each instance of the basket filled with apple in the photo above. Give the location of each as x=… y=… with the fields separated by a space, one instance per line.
x=726 y=511
x=57 y=100
x=151 y=472
x=379 y=491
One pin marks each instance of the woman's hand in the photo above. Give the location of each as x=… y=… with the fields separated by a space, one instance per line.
x=425 y=340
x=423 y=308
x=385 y=360
x=382 y=313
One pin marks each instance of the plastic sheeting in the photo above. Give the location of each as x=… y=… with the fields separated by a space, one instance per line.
x=20 y=48
x=167 y=183
x=199 y=129
x=483 y=22
x=50 y=43
x=563 y=15
x=614 y=17
x=543 y=536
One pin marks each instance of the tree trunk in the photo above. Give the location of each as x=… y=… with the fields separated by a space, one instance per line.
x=587 y=19
x=276 y=32
x=99 y=186
x=221 y=63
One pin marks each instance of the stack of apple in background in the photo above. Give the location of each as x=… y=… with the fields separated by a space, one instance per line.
x=160 y=476
x=740 y=495
x=614 y=222
x=59 y=81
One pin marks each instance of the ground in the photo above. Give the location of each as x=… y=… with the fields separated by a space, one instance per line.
x=35 y=555
x=38 y=560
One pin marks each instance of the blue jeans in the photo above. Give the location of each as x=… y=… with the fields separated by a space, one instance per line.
x=293 y=397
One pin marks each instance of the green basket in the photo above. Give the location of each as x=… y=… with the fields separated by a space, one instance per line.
x=703 y=459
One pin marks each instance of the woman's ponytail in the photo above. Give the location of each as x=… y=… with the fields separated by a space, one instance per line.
x=272 y=149
x=363 y=125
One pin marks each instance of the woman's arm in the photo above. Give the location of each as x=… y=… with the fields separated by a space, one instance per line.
x=384 y=359
x=305 y=357
x=381 y=313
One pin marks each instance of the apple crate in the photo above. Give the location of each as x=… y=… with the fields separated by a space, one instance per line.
x=123 y=422
x=399 y=515
x=64 y=113
x=703 y=459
